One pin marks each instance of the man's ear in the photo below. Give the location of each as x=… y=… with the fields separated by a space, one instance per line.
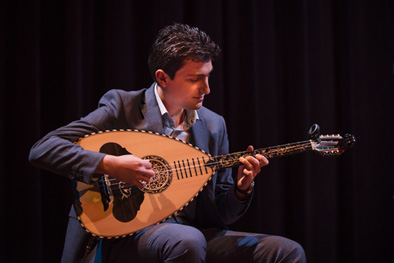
x=161 y=78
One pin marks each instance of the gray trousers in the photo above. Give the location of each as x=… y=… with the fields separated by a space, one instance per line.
x=174 y=242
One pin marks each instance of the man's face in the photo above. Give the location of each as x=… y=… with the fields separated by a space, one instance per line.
x=189 y=86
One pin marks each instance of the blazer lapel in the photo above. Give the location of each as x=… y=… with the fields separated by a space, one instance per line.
x=199 y=134
x=151 y=112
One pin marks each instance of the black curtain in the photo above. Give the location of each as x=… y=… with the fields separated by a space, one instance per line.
x=285 y=65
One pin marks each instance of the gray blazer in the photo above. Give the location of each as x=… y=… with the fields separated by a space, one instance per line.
x=216 y=205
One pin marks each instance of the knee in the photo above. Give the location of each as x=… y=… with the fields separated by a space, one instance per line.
x=173 y=243
x=295 y=252
x=193 y=244
x=280 y=249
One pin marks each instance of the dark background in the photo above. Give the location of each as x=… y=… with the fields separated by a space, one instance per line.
x=285 y=65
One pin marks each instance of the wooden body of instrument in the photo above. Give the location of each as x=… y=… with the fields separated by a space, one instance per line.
x=112 y=209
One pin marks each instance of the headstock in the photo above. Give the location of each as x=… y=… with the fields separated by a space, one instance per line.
x=330 y=145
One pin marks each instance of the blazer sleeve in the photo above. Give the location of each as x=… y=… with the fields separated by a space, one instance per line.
x=229 y=207
x=220 y=202
x=56 y=151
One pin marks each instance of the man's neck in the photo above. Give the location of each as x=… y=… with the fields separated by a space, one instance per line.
x=176 y=114
x=178 y=117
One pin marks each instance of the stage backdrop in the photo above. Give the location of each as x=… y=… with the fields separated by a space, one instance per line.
x=285 y=66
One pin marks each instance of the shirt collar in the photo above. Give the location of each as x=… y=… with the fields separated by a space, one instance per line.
x=191 y=116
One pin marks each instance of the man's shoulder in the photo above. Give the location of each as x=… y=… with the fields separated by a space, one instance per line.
x=125 y=93
x=208 y=115
x=123 y=96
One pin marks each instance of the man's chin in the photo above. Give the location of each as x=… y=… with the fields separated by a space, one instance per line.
x=198 y=106
x=194 y=107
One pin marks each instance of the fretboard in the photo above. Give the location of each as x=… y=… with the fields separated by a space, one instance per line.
x=232 y=159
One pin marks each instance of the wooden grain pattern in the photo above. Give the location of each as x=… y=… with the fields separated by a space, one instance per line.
x=112 y=209
x=188 y=178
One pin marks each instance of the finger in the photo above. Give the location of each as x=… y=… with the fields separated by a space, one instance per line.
x=139 y=183
x=143 y=178
x=245 y=180
x=148 y=173
x=247 y=174
x=256 y=162
x=262 y=159
x=145 y=169
x=252 y=167
x=142 y=181
x=147 y=164
x=251 y=163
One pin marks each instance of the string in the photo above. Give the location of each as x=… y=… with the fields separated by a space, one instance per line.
x=175 y=169
x=216 y=161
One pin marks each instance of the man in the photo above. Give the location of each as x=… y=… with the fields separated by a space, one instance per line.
x=180 y=62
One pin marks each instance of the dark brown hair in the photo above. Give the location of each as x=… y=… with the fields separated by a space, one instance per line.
x=177 y=43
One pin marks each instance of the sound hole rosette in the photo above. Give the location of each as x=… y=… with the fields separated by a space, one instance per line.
x=163 y=175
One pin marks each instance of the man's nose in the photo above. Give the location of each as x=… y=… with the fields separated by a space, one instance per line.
x=205 y=86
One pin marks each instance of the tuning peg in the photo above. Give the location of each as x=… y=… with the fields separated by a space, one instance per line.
x=314 y=132
x=347 y=142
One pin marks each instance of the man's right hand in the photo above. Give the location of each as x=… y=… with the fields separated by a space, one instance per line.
x=126 y=168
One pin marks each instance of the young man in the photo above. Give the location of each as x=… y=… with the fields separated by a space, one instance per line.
x=180 y=62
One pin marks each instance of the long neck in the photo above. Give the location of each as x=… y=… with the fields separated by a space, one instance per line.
x=232 y=159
